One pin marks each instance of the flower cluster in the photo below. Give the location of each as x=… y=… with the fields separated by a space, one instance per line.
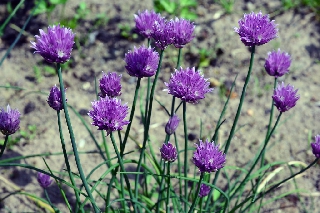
x=110 y=85
x=142 y=62
x=145 y=21
x=285 y=97
x=108 y=114
x=44 y=180
x=256 y=29
x=56 y=45
x=168 y=152
x=172 y=124
x=277 y=64
x=9 y=120
x=188 y=84
x=55 y=99
x=204 y=190
x=182 y=32
x=316 y=146
x=207 y=157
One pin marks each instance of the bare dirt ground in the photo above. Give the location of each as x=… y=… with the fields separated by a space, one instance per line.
x=299 y=35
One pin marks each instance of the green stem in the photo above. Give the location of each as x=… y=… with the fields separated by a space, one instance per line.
x=169 y=186
x=146 y=133
x=185 y=154
x=109 y=192
x=160 y=190
x=122 y=169
x=66 y=159
x=123 y=145
x=244 y=181
x=49 y=201
x=73 y=142
x=195 y=202
x=179 y=58
x=4 y=145
x=232 y=131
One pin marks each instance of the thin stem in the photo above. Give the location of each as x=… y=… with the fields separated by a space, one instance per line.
x=232 y=131
x=122 y=169
x=168 y=187
x=160 y=190
x=195 y=202
x=73 y=142
x=66 y=159
x=49 y=201
x=244 y=181
x=4 y=145
x=109 y=192
x=185 y=154
x=146 y=133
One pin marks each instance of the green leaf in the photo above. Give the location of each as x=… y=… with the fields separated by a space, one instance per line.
x=187 y=14
x=188 y=3
x=49 y=70
x=57 y=1
x=169 y=6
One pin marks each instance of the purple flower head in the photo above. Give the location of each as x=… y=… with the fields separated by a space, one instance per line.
x=188 y=85
x=44 y=180
x=145 y=21
x=172 y=124
x=9 y=120
x=108 y=114
x=208 y=157
x=110 y=85
x=183 y=32
x=163 y=33
x=204 y=190
x=278 y=63
x=55 y=99
x=56 y=45
x=142 y=62
x=285 y=97
x=256 y=29
x=316 y=146
x=168 y=152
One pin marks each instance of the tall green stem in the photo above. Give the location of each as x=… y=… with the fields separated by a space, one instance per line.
x=4 y=145
x=146 y=133
x=73 y=142
x=169 y=186
x=66 y=159
x=235 y=122
x=185 y=128
x=195 y=202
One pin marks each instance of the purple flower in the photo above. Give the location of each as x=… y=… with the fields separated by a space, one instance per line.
x=188 y=85
x=278 y=63
x=110 y=85
x=172 y=125
x=142 y=62
x=56 y=45
x=316 y=146
x=168 y=152
x=256 y=29
x=55 y=99
x=183 y=32
x=9 y=121
x=285 y=97
x=208 y=157
x=108 y=114
x=44 y=180
x=163 y=33
x=204 y=190
x=145 y=21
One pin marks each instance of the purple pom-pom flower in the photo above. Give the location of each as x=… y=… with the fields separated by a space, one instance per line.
x=55 y=99
x=9 y=120
x=188 y=85
x=277 y=64
x=182 y=31
x=168 y=152
x=56 y=45
x=142 y=62
x=44 y=180
x=145 y=21
x=285 y=97
x=316 y=146
x=207 y=157
x=110 y=85
x=108 y=114
x=204 y=190
x=163 y=33
x=172 y=124
x=256 y=29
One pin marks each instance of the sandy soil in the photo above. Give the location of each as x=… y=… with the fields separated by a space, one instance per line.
x=299 y=35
